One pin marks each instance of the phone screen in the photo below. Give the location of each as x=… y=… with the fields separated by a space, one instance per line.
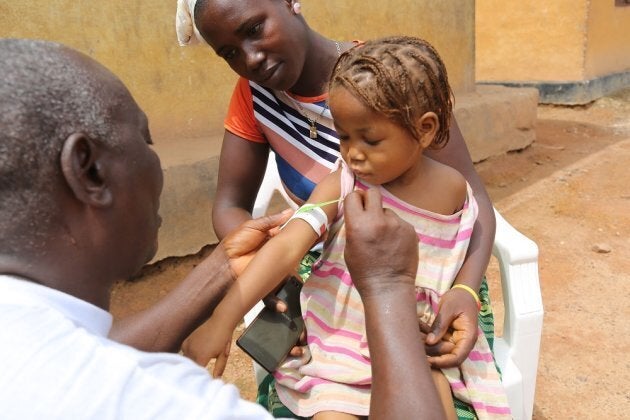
x=271 y=335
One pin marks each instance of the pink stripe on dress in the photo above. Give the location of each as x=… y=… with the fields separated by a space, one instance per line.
x=477 y=356
x=336 y=349
x=445 y=243
x=491 y=409
x=337 y=331
x=326 y=270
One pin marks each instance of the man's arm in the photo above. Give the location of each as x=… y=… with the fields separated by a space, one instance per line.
x=165 y=325
x=382 y=257
x=273 y=262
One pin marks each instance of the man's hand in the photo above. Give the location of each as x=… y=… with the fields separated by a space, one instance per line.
x=209 y=341
x=241 y=244
x=379 y=245
x=456 y=322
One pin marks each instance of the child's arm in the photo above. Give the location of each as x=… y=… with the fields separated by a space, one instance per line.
x=272 y=263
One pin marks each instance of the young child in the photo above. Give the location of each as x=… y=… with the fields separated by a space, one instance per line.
x=390 y=100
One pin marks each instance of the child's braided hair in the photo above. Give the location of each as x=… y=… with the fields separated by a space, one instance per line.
x=400 y=77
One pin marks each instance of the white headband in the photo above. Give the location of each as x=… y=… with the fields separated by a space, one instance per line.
x=187 y=33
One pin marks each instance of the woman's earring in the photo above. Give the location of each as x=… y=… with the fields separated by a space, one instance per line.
x=297 y=7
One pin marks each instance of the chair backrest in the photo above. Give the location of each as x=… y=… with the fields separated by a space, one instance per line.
x=271 y=184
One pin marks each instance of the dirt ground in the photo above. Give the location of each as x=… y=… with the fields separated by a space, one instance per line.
x=568 y=192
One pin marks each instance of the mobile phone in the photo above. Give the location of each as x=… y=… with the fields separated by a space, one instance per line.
x=271 y=335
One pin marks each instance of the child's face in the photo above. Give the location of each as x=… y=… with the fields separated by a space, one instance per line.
x=376 y=149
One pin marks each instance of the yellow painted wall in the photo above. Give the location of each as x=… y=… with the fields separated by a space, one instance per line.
x=529 y=41
x=608 y=42
x=448 y=25
x=558 y=41
x=185 y=91
x=136 y=40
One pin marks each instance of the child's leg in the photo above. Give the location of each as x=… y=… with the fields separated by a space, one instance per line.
x=335 y=415
x=444 y=391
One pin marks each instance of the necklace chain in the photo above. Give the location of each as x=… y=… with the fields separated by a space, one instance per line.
x=312 y=129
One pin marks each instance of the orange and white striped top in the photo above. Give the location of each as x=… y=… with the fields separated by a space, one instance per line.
x=263 y=115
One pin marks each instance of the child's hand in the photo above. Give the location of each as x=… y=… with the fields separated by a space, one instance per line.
x=209 y=342
x=272 y=301
x=457 y=313
x=298 y=349
x=444 y=346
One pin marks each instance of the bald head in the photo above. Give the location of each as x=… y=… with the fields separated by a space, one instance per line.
x=47 y=93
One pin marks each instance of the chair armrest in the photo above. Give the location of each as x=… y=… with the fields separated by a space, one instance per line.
x=518 y=262
x=522 y=326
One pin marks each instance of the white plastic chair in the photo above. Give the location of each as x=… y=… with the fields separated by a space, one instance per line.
x=517 y=350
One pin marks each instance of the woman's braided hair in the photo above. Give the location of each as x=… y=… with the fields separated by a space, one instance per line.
x=400 y=77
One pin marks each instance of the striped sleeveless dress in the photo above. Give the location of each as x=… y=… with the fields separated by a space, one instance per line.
x=334 y=373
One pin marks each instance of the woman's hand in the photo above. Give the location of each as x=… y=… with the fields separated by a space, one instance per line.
x=454 y=331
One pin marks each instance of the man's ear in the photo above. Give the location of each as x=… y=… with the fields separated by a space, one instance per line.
x=429 y=126
x=83 y=167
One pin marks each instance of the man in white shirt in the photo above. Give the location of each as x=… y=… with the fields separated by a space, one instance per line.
x=79 y=201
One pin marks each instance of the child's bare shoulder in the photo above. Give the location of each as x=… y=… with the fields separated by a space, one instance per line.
x=454 y=181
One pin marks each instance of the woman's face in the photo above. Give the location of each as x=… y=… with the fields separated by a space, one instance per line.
x=261 y=40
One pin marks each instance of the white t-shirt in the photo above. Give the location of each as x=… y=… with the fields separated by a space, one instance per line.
x=56 y=362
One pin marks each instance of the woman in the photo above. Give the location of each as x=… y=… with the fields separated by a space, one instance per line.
x=279 y=102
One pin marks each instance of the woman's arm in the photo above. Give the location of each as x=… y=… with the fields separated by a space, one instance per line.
x=458 y=310
x=241 y=170
x=271 y=264
x=456 y=155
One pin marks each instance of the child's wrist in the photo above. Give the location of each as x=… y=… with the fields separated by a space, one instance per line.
x=470 y=291
x=224 y=317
